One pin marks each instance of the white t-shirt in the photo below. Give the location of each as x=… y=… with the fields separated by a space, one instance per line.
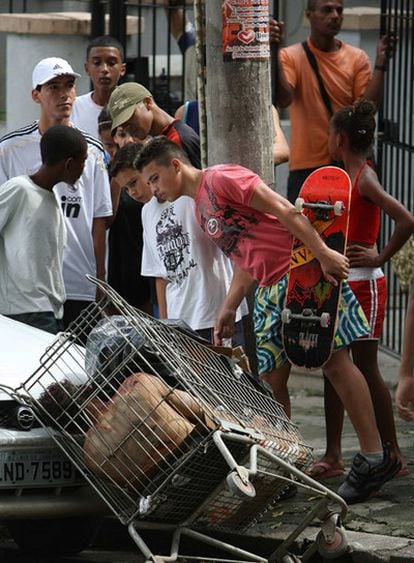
x=85 y=114
x=177 y=249
x=32 y=238
x=89 y=198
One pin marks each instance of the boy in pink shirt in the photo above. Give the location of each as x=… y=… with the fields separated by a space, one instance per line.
x=253 y=225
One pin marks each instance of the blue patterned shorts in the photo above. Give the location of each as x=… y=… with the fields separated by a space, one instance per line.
x=269 y=303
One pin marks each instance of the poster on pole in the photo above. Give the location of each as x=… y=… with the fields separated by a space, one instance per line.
x=245 y=30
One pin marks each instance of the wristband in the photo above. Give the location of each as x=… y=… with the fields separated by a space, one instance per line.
x=380 y=67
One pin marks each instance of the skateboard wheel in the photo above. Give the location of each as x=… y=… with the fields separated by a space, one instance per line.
x=325 y=320
x=339 y=208
x=286 y=316
x=299 y=204
x=238 y=487
x=334 y=549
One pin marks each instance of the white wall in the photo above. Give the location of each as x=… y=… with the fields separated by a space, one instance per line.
x=23 y=53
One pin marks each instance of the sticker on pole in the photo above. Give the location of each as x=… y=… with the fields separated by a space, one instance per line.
x=245 y=30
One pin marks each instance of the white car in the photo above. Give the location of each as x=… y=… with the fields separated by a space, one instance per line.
x=45 y=503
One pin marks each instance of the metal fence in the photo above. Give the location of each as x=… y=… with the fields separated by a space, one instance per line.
x=32 y=6
x=154 y=57
x=396 y=147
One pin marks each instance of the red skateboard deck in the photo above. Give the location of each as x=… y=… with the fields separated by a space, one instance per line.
x=311 y=305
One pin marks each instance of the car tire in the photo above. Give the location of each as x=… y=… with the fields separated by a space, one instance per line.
x=65 y=536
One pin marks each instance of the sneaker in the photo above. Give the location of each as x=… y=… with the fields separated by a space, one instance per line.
x=364 y=480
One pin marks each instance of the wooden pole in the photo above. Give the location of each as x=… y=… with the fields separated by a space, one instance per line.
x=239 y=118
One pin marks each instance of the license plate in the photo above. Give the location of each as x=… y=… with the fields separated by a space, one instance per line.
x=28 y=469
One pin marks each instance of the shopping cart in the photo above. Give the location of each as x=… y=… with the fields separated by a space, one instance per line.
x=173 y=435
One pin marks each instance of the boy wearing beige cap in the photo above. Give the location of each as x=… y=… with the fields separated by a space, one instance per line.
x=132 y=106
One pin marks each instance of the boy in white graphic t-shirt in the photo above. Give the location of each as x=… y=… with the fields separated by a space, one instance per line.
x=186 y=264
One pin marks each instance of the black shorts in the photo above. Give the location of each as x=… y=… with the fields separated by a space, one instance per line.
x=297 y=177
x=295 y=181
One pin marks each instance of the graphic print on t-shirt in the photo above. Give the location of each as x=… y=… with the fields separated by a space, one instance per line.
x=174 y=246
x=71 y=205
x=225 y=224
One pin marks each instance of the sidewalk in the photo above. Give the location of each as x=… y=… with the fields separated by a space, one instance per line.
x=381 y=530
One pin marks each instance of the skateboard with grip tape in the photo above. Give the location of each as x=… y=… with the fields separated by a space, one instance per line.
x=311 y=305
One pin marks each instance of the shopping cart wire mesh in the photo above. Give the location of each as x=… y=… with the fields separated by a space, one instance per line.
x=161 y=425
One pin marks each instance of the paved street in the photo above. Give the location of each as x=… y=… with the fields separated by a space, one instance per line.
x=381 y=529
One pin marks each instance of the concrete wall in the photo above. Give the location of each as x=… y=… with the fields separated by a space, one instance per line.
x=28 y=38
x=32 y=6
x=20 y=109
x=45 y=5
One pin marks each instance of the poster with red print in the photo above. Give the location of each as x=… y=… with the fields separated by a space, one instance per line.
x=245 y=29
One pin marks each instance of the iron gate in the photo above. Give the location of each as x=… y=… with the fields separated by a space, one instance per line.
x=396 y=147
x=154 y=57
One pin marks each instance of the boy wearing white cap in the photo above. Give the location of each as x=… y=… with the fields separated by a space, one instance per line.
x=86 y=205
x=49 y=68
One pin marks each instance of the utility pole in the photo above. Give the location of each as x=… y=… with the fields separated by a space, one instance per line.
x=238 y=94
x=239 y=118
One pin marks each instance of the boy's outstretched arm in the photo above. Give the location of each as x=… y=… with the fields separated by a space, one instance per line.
x=239 y=287
x=334 y=265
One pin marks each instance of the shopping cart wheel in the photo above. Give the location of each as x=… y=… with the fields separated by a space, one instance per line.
x=334 y=549
x=238 y=487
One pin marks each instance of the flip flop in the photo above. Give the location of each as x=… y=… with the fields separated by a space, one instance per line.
x=323 y=470
x=403 y=472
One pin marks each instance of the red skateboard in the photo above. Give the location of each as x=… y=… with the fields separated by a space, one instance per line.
x=311 y=304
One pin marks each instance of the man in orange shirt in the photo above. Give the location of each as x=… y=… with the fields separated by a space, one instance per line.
x=346 y=75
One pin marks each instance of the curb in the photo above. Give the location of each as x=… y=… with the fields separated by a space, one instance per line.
x=260 y=539
x=364 y=547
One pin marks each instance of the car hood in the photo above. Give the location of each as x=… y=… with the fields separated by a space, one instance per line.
x=21 y=351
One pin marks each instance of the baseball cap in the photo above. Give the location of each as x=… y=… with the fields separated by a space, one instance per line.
x=123 y=100
x=49 y=68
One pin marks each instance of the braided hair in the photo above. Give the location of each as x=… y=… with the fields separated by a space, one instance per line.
x=358 y=122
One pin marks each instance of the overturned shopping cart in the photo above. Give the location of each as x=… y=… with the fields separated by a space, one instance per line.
x=173 y=435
